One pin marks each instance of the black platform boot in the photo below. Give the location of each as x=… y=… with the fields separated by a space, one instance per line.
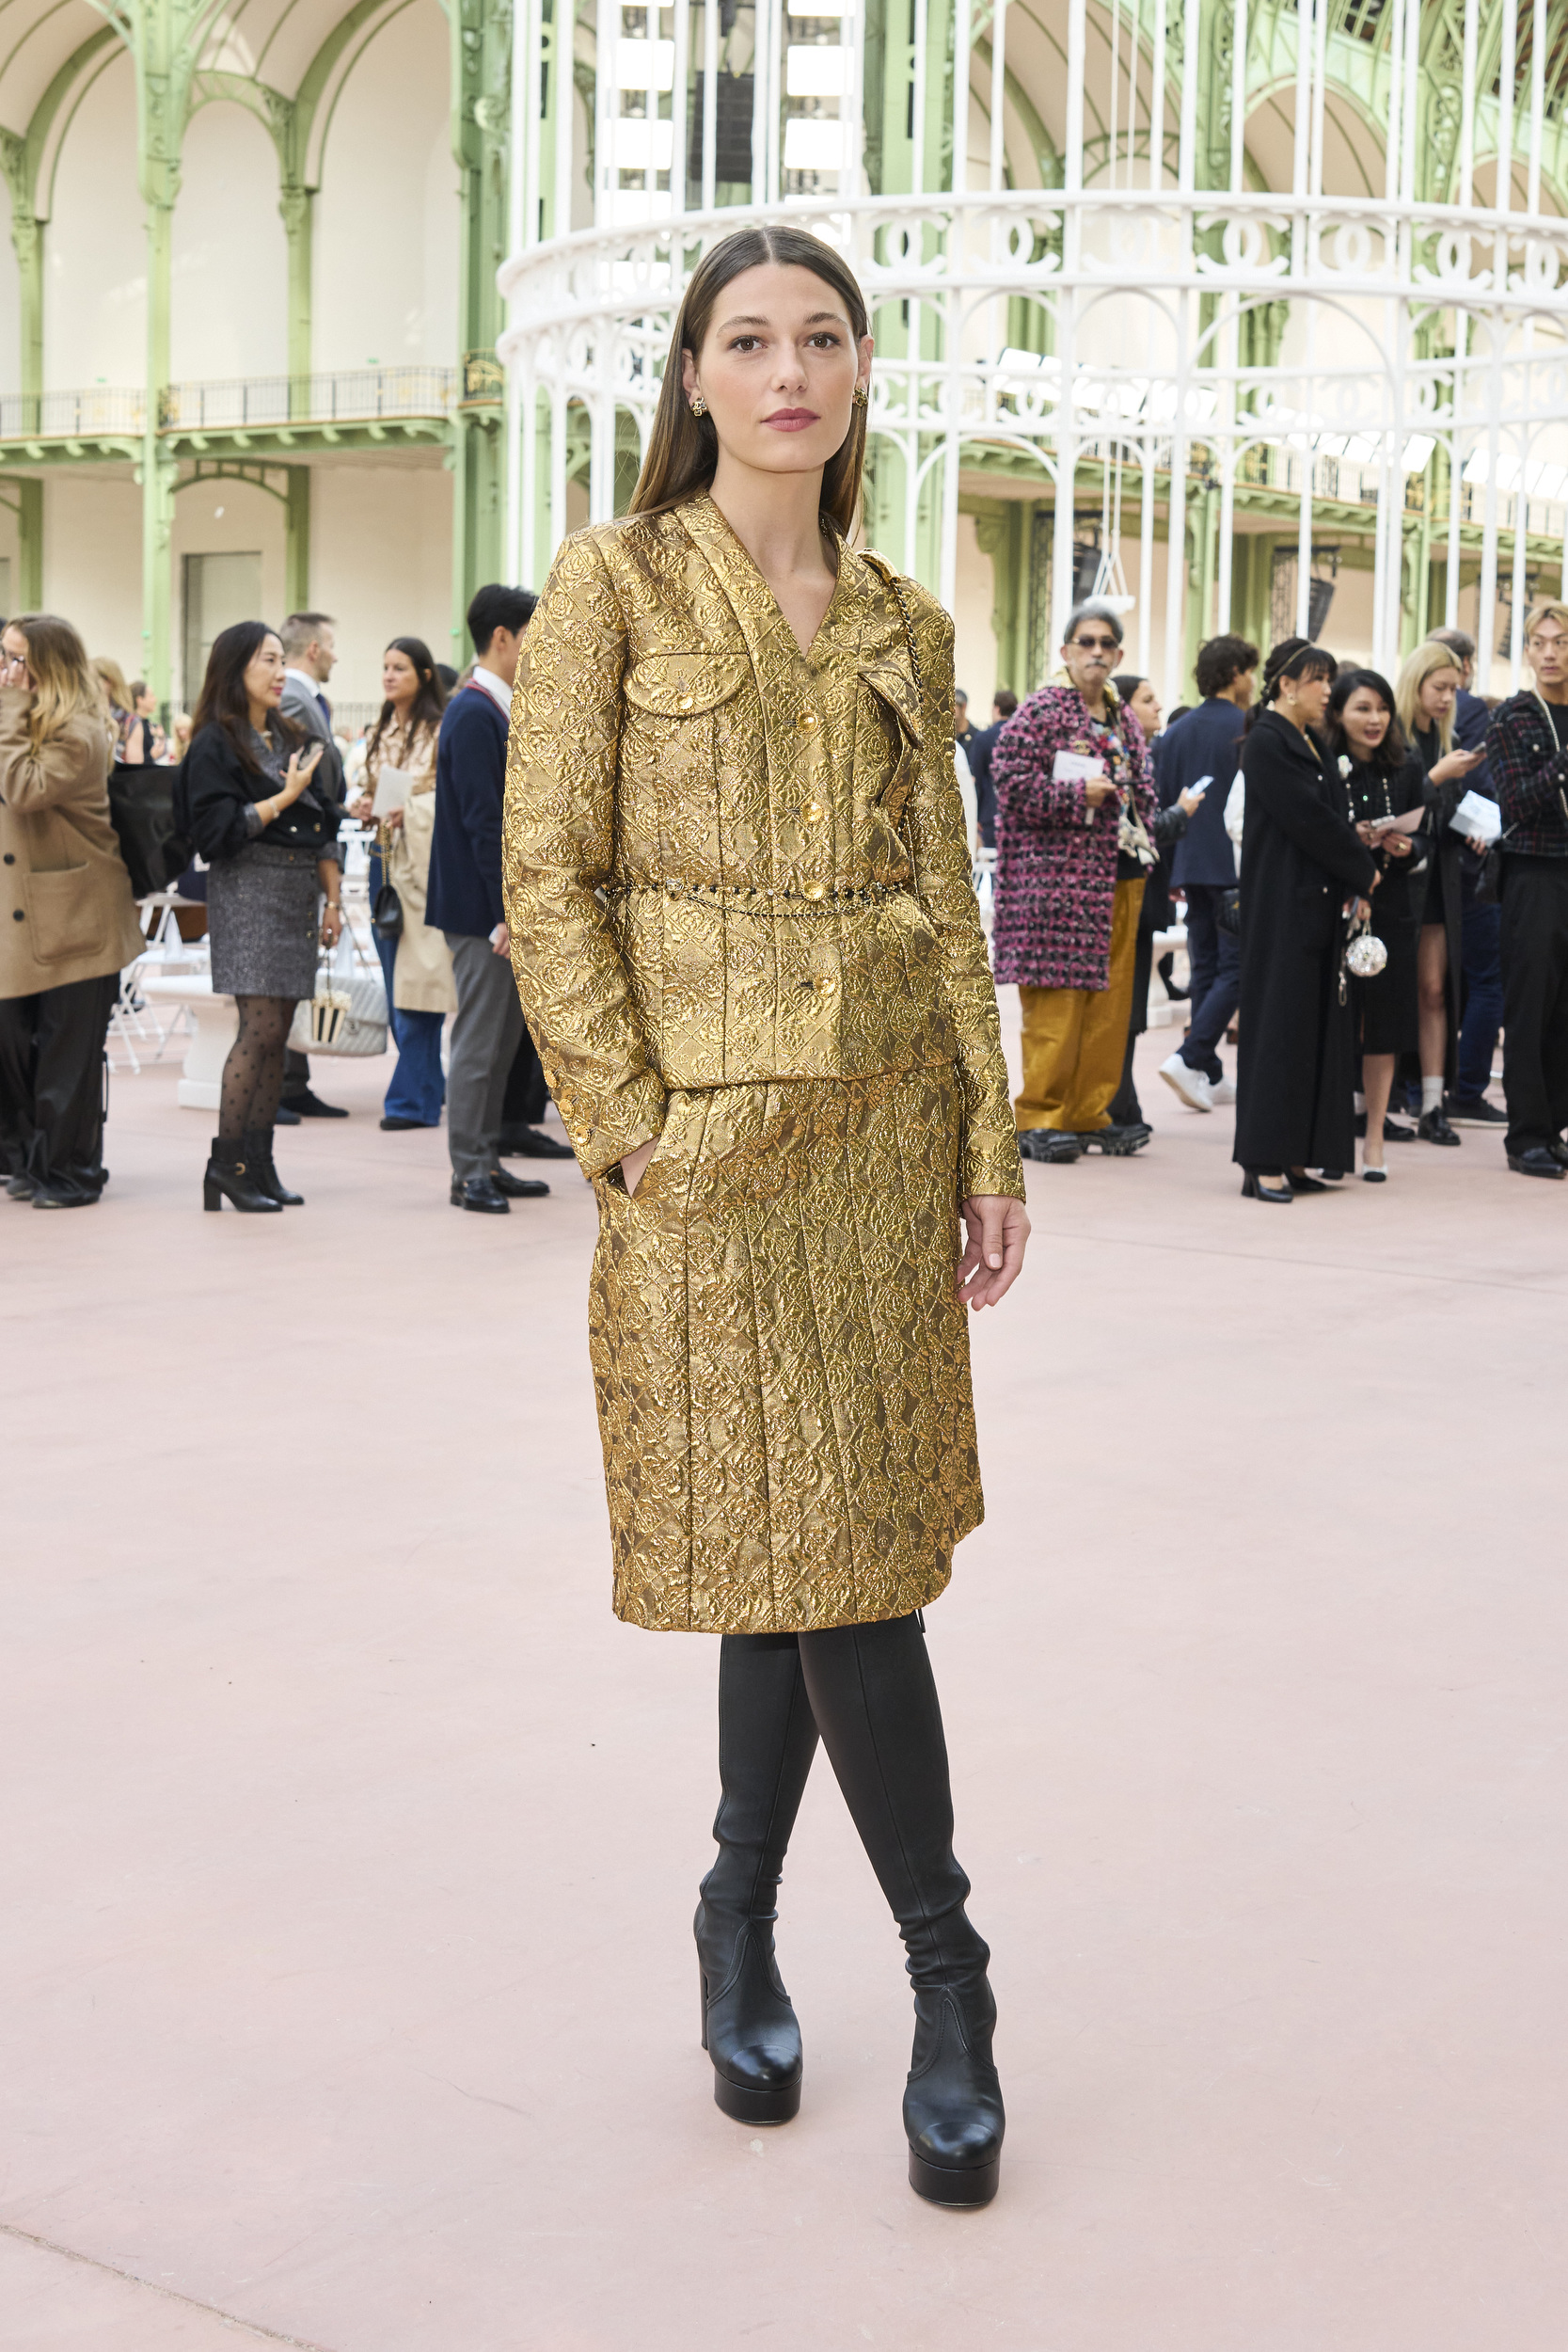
x=874 y=1702
x=767 y=1739
x=258 y=1145
x=232 y=1175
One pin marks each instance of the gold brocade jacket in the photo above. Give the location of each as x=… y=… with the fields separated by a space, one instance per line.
x=727 y=861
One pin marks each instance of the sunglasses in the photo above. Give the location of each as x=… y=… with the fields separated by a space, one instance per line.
x=1094 y=645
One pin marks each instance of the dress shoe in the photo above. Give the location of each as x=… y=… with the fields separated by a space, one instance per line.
x=393 y=1126
x=532 y=1143
x=285 y=1117
x=21 y=1186
x=1392 y=1131
x=1254 y=1189
x=310 y=1105
x=1473 y=1110
x=1195 y=1087
x=63 y=1192
x=1540 y=1160
x=1311 y=1184
x=479 y=1193
x=1048 y=1143
x=519 y=1187
x=1374 y=1175
x=1118 y=1142
x=1432 y=1127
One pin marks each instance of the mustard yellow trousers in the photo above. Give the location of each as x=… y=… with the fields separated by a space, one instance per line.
x=1075 y=1038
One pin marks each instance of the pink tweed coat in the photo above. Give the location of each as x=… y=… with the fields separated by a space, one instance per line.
x=1056 y=855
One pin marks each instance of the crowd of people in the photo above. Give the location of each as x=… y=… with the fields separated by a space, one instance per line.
x=1384 y=934
x=1404 y=898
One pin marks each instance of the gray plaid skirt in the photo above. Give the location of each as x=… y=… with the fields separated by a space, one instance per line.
x=262 y=921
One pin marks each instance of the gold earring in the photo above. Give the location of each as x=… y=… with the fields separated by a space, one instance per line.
x=861 y=397
x=699 y=406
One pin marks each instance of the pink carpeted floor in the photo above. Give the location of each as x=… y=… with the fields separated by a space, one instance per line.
x=349 y=1846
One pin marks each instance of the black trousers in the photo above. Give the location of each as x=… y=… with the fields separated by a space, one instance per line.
x=523 y=1103
x=1535 y=1000
x=51 y=1080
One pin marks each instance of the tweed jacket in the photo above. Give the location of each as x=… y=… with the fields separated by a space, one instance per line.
x=1529 y=775
x=66 y=909
x=726 y=862
x=1056 y=856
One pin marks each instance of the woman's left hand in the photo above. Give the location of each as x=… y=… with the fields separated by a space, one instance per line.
x=998 y=1229
x=1398 y=845
x=332 y=924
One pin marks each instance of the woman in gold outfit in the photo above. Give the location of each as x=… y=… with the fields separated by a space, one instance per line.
x=741 y=920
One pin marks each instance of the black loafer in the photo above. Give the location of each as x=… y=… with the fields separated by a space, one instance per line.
x=401 y=1126
x=1538 y=1161
x=519 y=1187
x=284 y=1116
x=1432 y=1127
x=479 y=1193
x=21 y=1186
x=310 y=1105
x=1309 y=1184
x=532 y=1143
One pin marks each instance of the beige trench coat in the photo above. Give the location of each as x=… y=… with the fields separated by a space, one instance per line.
x=421 y=978
x=66 y=909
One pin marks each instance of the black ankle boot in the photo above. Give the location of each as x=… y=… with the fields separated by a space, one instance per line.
x=874 y=1702
x=767 y=1739
x=232 y=1175
x=258 y=1146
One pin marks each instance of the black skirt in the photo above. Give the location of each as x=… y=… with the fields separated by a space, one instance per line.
x=1386 y=1006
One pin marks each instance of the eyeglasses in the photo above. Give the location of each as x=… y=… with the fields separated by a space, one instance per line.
x=1094 y=645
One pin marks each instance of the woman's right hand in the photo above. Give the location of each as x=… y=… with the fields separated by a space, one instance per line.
x=299 y=775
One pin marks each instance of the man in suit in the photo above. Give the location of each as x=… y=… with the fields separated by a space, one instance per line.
x=1203 y=747
x=1480 y=924
x=310 y=651
x=981 y=743
x=465 y=902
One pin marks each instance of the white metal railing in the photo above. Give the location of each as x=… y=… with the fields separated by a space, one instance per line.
x=1418 y=341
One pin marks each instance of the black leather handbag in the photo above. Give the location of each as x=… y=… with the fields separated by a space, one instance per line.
x=387 y=913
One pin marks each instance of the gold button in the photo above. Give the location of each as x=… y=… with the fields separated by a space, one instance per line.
x=687 y=701
x=824 y=983
x=814 y=812
x=807 y=721
x=815 y=890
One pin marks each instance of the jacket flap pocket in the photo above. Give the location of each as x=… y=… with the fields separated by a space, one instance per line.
x=893 y=687
x=682 y=685
x=68 y=910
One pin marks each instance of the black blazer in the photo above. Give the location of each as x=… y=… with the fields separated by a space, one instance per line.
x=464 y=892
x=216 y=788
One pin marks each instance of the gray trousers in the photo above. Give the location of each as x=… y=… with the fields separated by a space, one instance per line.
x=485 y=1032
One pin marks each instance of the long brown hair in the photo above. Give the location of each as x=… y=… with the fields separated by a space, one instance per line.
x=223 y=701
x=66 y=685
x=428 y=703
x=683 y=450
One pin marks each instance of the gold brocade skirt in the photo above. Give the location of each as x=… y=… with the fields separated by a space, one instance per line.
x=782 y=1365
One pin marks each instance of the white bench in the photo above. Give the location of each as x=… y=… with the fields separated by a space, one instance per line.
x=217 y=1025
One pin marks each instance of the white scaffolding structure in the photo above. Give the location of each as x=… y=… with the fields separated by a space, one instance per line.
x=1418 y=365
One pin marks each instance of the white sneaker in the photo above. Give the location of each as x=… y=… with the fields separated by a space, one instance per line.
x=1192 y=1085
x=1224 y=1092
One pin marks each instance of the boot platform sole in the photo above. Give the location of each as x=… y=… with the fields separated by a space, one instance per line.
x=756 y=2107
x=944 y=2185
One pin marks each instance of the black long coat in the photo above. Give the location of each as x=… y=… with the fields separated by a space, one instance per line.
x=1295 y=1074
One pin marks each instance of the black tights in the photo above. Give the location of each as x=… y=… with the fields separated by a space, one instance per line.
x=868 y=1692
x=253 y=1073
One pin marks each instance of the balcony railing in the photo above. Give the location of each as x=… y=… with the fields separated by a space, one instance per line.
x=90 y=415
x=347 y=396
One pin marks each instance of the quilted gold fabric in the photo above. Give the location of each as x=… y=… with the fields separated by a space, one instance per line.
x=741 y=917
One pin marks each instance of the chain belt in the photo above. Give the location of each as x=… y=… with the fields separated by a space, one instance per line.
x=814 y=898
